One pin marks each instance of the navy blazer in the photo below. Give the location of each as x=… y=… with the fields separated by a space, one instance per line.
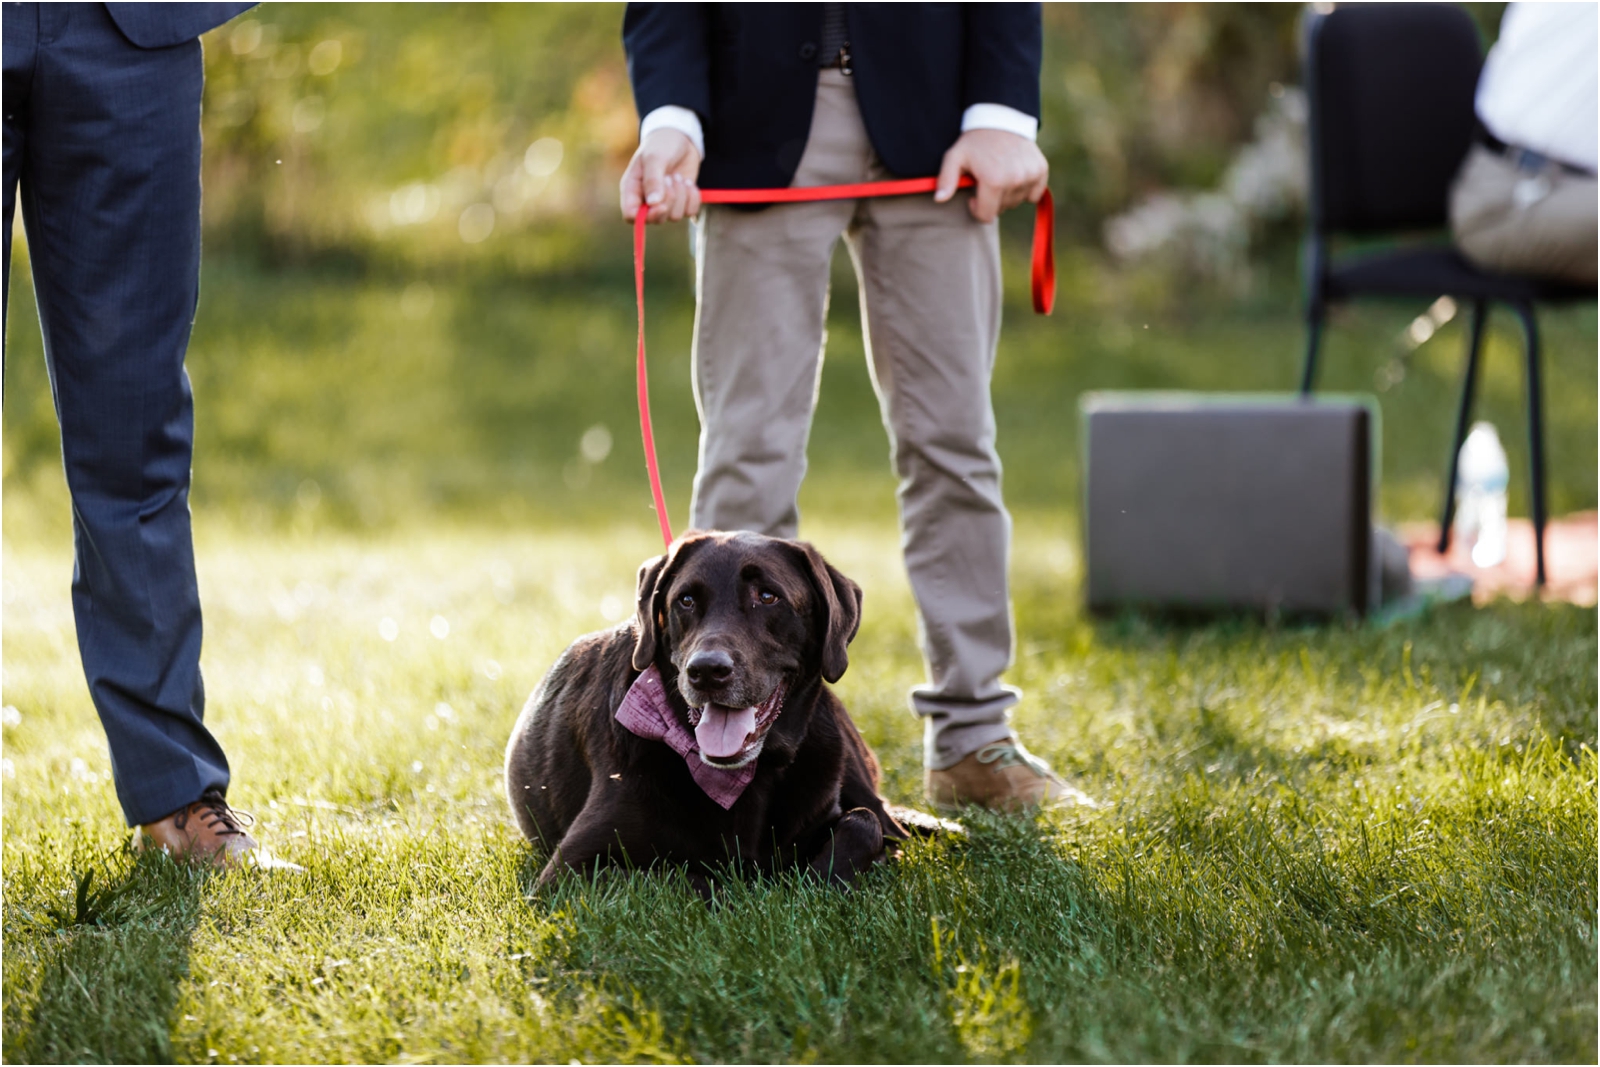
x=164 y=25
x=750 y=72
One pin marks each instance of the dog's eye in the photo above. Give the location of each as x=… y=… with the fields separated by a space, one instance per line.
x=686 y=602
x=768 y=597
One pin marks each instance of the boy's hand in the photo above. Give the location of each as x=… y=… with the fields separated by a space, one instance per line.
x=1008 y=168
x=661 y=176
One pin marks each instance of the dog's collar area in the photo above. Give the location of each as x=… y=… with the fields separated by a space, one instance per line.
x=645 y=712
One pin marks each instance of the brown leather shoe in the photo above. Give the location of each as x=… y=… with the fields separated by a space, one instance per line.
x=1002 y=776
x=207 y=831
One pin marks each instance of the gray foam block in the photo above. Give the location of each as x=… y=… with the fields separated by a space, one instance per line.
x=1257 y=503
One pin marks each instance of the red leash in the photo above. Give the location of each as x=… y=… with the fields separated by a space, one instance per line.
x=1044 y=276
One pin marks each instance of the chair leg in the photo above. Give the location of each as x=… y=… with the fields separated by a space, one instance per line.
x=1530 y=328
x=1469 y=387
x=1315 y=272
x=1308 y=373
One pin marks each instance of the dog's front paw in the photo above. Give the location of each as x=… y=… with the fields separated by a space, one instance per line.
x=854 y=844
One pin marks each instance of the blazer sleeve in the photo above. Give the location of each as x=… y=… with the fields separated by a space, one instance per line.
x=1004 y=49
x=164 y=25
x=668 y=57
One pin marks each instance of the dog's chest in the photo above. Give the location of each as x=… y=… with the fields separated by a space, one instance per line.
x=776 y=813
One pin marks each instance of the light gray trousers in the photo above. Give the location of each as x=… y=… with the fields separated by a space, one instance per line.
x=930 y=307
x=1506 y=219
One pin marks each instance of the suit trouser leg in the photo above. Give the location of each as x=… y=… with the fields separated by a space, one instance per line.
x=20 y=46
x=107 y=158
x=762 y=284
x=930 y=302
x=930 y=289
x=761 y=287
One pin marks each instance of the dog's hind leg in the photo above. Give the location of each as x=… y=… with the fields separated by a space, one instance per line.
x=852 y=844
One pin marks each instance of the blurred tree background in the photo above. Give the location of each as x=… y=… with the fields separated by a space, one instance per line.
x=416 y=299
x=418 y=132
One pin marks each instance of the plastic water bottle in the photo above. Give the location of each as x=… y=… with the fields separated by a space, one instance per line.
x=1481 y=477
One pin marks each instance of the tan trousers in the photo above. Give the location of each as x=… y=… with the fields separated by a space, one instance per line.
x=930 y=306
x=1509 y=220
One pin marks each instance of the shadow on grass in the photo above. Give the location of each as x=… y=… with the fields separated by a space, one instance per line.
x=1235 y=921
x=783 y=967
x=110 y=954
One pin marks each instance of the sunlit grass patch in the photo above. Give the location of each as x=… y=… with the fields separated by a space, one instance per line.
x=1320 y=843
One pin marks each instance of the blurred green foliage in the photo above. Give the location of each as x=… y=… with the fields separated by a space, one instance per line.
x=416 y=297
x=352 y=131
x=407 y=131
x=1145 y=96
x=492 y=136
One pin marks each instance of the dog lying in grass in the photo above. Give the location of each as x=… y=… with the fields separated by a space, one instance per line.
x=701 y=733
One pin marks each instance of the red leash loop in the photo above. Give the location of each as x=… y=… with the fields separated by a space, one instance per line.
x=1044 y=255
x=1044 y=276
x=644 y=383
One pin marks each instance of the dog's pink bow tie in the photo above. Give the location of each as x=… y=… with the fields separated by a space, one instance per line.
x=646 y=713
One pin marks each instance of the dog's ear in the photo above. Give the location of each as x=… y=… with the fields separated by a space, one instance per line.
x=840 y=603
x=646 y=622
x=655 y=575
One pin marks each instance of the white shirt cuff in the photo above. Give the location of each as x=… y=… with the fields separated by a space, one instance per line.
x=995 y=117
x=686 y=122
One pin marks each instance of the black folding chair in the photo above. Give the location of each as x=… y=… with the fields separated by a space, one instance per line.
x=1391 y=88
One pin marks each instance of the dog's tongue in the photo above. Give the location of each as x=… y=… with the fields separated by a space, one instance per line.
x=722 y=731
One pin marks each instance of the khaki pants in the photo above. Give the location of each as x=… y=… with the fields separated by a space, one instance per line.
x=930 y=305
x=1518 y=222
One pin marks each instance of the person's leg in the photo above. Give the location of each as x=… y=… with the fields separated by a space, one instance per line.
x=1519 y=222
x=930 y=295
x=21 y=36
x=110 y=186
x=761 y=283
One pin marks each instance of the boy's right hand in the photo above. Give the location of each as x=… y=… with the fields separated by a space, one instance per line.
x=661 y=175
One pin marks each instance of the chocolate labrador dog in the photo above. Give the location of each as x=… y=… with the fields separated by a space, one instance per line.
x=701 y=733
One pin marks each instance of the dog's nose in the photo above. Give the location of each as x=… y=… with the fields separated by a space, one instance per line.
x=709 y=669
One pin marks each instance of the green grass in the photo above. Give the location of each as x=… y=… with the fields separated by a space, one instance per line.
x=1338 y=844
x=1321 y=843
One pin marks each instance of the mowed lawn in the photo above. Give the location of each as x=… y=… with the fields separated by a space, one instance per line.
x=1338 y=842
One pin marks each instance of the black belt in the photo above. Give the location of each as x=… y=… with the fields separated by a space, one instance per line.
x=1526 y=158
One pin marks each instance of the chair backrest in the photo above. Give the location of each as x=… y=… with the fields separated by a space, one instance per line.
x=1390 y=89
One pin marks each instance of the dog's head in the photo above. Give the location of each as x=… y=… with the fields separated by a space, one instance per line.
x=743 y=618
